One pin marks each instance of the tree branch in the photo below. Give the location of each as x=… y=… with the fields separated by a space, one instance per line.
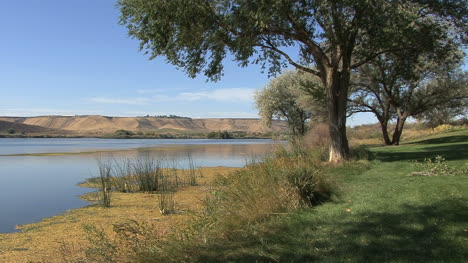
x=289 y=59
x=370 y=58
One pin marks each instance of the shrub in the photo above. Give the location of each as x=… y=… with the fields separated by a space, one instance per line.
x=123 y=133
x=437 y=167
x=11 y=131
x=317 y=136
x=219 y=135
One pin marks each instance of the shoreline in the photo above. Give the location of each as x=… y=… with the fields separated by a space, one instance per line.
x=131 y=135
x=43 y=240
x=98 y=151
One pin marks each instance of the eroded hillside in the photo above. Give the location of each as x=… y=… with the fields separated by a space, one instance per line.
x=99 y=125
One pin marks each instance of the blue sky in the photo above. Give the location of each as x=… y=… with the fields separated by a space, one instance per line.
x=71 y=57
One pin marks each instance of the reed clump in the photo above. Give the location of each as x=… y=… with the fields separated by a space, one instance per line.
x=143 y=175
x=166 y=200
x=288 y=180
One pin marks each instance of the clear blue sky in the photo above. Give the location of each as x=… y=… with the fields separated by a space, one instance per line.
x=67 y=57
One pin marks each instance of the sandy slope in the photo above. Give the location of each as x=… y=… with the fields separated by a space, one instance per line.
x=101 y=124
x=19 y=127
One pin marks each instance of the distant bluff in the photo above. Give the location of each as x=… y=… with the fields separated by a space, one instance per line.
x=98 y=125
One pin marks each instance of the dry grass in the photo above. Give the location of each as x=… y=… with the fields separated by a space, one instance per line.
x=50 y=239
x=371 y=134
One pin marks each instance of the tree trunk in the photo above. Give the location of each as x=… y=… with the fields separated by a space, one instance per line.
x=384 y=127
x=337 y=93
x=398 y=129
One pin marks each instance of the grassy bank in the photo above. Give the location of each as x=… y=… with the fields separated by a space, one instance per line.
x=292 y=208
x=384 y=214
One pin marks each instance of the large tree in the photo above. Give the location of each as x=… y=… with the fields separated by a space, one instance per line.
x=332 y=38
x=395 y=88
x=294 y=97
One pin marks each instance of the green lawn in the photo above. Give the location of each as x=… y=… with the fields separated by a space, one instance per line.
x=383 y=214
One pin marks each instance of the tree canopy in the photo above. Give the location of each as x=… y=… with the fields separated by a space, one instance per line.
x=332 y=38
x=455 y=91
x=293 y=96
x=395 y=88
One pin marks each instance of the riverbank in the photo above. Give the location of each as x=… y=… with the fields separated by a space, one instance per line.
x=406 y=203
x=61 y=238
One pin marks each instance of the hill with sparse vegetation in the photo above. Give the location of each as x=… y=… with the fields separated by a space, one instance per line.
x=95 y=125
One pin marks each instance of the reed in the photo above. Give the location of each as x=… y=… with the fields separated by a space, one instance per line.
x=105 y=182
x=123 y=179
x=192 y=171
x=147 y=173
x=166 y=195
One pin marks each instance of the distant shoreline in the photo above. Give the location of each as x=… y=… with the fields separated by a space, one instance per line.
x=162 y=136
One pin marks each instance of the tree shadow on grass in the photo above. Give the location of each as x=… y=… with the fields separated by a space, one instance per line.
x=446 y=139
x=412 y=234
x=449 y=152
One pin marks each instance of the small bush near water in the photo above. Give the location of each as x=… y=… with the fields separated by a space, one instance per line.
x=282 y=183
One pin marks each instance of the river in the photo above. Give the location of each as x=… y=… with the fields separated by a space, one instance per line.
x=39 y=177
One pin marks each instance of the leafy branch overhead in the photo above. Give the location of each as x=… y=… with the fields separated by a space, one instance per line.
x=328 y=39
x=197 y=35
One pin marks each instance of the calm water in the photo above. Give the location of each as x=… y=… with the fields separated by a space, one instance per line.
x=36 y=187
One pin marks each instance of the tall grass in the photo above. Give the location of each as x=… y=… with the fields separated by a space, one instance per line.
x=192 y=171
x=281 y=183
x=147 y=173
x=166 y=196
x=122 y=181
x=161 y=176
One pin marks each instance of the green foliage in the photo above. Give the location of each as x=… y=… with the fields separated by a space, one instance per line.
x=237 y=202
x=11 y=131
x=124 y=133
x=437 y=166
x=453 y=100
x=147 y=173
x=411 y=218
x=219 y=135
x=142 y=175
x=336 y=37
x=197 y=36
x=401 y=86
x=295 y=97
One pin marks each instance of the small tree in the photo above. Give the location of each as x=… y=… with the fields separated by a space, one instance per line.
x=294 y=97
x=11 y=131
